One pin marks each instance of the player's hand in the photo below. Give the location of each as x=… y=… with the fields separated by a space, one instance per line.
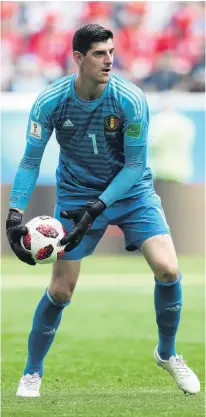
x=83 y=219
x=14 y=232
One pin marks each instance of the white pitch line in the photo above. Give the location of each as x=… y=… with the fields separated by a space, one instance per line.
x=143 y=281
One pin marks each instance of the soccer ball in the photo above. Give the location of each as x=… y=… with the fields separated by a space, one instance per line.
x=42 y=239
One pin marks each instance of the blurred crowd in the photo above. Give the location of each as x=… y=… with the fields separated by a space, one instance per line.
x=158 y=45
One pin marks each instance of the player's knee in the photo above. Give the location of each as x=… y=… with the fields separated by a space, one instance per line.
x=60 y=295
x=167 y=273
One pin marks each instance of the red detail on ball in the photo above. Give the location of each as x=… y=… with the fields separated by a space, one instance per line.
x=60 y=254
x=47 y=230
x=27 y=241
x=64 y=230
x=44 y=253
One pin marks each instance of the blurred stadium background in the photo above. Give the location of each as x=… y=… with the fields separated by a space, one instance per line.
x=160 y=47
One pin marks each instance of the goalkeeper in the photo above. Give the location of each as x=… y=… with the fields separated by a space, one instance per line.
x=101 y=123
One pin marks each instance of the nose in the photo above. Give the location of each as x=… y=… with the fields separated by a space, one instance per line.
x=108 y=58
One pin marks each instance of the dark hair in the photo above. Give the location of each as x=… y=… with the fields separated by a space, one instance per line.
x=86 y=35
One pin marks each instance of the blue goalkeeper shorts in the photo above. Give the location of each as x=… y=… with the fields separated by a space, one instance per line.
x=139 y=218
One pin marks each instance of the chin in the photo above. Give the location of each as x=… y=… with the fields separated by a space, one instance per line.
x=103 y=79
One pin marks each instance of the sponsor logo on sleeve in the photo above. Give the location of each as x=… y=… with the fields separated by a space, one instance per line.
x=133 y=130
x=35 y=129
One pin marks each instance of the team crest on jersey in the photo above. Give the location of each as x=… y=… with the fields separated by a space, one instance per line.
x=112 y=122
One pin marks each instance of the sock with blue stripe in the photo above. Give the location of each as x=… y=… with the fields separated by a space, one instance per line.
x=168 y=304
x=46 y=321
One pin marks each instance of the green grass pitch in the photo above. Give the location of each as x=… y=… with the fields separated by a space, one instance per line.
x=101 y=363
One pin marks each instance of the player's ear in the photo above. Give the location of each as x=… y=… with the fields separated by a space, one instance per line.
x=77 y=57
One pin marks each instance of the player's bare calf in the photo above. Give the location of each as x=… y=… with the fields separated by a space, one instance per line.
x=64 y=278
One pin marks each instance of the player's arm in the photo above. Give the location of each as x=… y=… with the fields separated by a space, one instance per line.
x=135 y=151
x=38 y=133
x=135 y=130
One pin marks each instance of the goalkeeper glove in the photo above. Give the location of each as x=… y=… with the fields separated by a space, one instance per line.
x=14 y=233
x=83 y=219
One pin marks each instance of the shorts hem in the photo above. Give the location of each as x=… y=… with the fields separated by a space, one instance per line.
x=76 y=257
x=138 y=243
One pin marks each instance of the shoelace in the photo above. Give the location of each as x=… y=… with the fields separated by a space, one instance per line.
x=32 y=381
x=179 y=365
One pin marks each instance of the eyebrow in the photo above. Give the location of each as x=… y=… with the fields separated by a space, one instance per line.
x=101 y=50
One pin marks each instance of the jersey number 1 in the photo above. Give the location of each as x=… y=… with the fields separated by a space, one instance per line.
x=94 y=142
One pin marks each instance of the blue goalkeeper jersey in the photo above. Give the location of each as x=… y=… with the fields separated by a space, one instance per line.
x=103 y=143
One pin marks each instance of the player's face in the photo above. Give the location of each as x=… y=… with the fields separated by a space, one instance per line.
x=97 y=63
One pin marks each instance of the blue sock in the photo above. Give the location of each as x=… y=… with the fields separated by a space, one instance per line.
x=46 y=321
x=168 y=304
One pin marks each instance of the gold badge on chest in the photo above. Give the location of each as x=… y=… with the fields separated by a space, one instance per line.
x=112 y=122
